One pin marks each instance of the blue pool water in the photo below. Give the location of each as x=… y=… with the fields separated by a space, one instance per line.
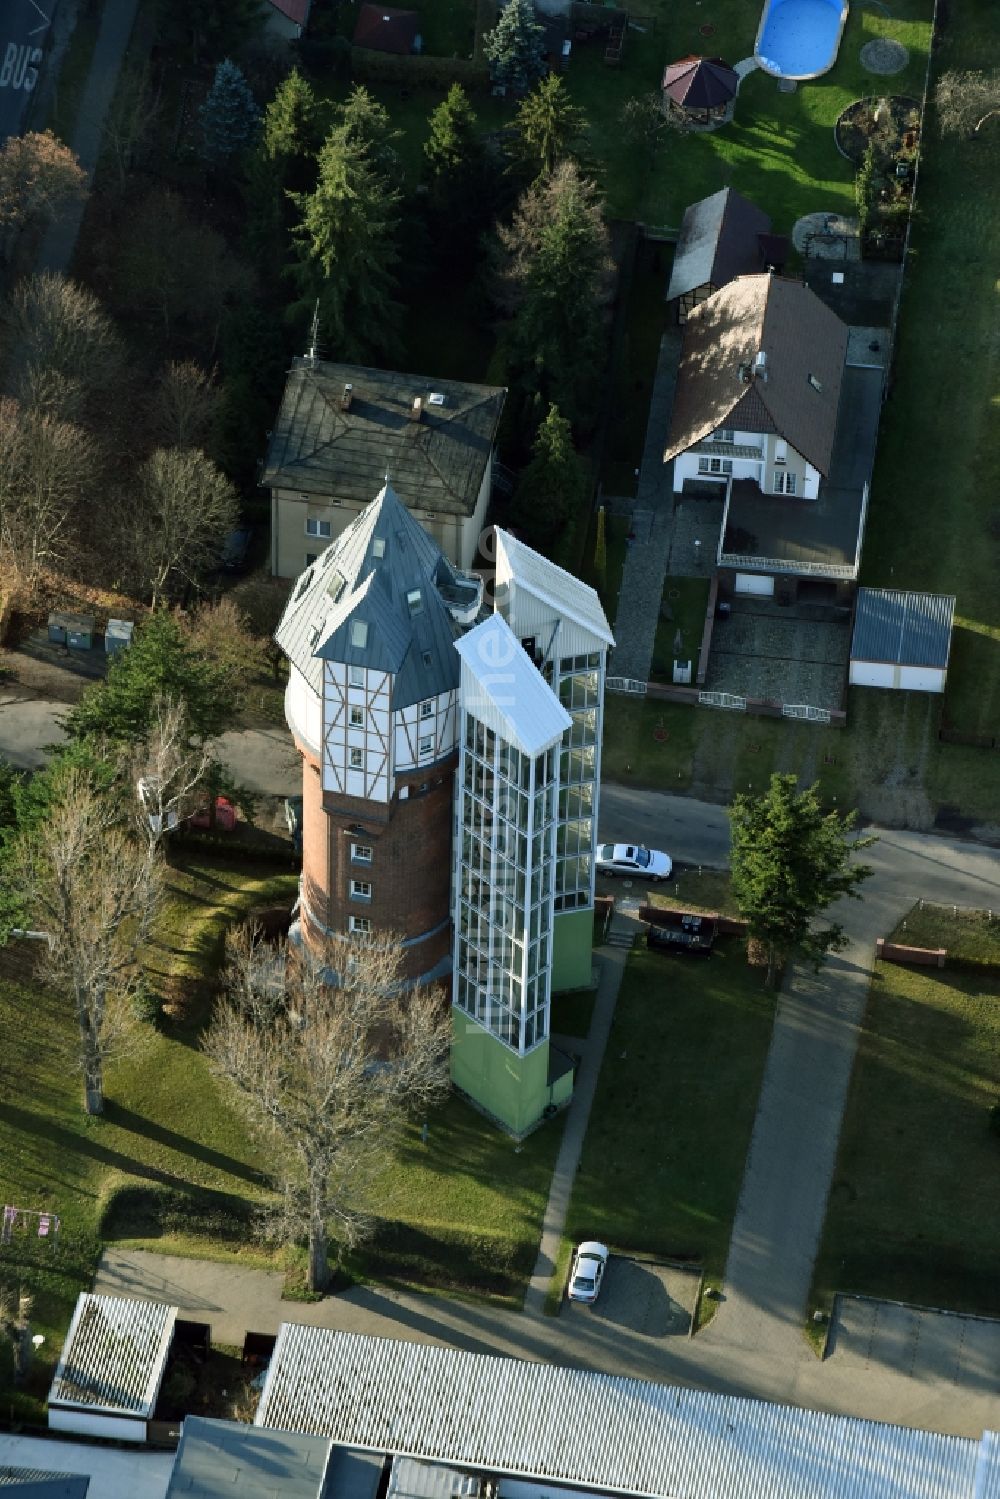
x=799 y=38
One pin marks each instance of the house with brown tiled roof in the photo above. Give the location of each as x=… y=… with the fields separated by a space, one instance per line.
x=343 y=429
x=771 y=417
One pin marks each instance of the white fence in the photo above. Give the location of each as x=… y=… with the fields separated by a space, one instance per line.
x=723 y=700
x=803 y=710
x=629 y=686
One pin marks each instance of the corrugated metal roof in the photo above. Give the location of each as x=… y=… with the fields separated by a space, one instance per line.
x=988 y=1471
x=907 y=629
x=226 y=1457
x=503 y=687
x=366 y=575
x=567 y=595
x=501 y=1416
x=114 y=1355
x=319 y=446
x=719 y=239
x=32 y=1483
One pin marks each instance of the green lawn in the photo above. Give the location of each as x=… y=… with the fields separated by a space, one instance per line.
x=666 y=1145
x=710 y=890
x=912 y=1212
x=779 y=148
x=971 y=937
x=687 y=601
x=934 y=523
x=166 y=1135
x=572 y=1013
x=463 y=1212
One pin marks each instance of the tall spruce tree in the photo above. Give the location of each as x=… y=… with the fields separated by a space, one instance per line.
x=230 y=119
x=515 y=48
x=365 y=122
x=552 y=489
x=345 y=250
x=550 y=127
x=790 y=861
x=555 y=278
x=459 y=195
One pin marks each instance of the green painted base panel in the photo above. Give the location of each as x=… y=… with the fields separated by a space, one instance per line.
x=572 y=950
x=511 y=1089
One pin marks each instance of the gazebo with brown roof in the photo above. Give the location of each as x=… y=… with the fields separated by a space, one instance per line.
x=700 y=88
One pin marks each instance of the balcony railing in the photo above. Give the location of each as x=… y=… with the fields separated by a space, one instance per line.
x=742 y=563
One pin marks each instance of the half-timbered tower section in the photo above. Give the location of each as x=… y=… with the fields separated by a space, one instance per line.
x=372 y=701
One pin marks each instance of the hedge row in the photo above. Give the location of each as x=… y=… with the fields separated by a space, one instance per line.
x=255 y=850
x=449 y=1259
x=150 y=1209
x=368 y=66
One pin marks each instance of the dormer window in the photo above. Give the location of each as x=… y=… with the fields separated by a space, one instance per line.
x=415 y=601
x=359 y=634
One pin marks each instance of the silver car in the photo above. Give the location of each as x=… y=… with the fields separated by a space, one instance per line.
x=633 y=860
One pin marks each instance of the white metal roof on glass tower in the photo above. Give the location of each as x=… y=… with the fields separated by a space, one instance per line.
x=502 y=686
x=552 y=585
x=502 y=1416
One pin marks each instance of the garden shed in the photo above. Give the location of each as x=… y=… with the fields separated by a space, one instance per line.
x=722 y=236
x=108 y=1378
x=701 y=89
x=901 y=639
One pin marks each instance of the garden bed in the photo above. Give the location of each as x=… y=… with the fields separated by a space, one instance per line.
x=894 y=133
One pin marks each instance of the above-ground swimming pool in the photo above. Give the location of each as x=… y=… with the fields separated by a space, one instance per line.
x=799 y=38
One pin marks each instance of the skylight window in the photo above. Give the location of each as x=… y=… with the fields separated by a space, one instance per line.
x=304 y=582
x=414 y=601
x=359 y=633
x=815 y=382
x=336 y=586
x=378 y=546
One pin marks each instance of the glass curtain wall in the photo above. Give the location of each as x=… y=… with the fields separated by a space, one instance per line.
x=579 y=689
x=504 y=886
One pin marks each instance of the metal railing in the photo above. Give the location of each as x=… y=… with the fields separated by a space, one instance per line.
x=773 y=565
x=804 y=710
x=627 y=686
x=723 y=700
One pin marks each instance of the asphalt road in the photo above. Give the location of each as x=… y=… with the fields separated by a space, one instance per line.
x=24 y=26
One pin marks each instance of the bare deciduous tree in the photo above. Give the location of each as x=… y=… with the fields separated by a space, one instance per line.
x=66 y=354
x=46 y=469
x=328 y=1071
x=178 y=517
x=129 y=121
x=965 y=101
x=93 y=888
x=38 y=174
x=166 y=771
x=184 y=405
x=225 y=635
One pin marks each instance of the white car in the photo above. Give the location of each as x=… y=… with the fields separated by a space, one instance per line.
x=633 y=859
x=585 y=1278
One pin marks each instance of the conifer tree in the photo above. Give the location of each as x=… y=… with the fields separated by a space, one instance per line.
x=552 y=489
x=229 y=116
x=550 y=126
x=515 y=48
x=345 y=250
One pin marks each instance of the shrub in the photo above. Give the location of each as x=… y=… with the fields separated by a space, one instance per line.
x=146 y=1003
x=417 y=72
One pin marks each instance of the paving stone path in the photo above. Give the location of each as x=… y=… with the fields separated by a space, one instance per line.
x=653 y=525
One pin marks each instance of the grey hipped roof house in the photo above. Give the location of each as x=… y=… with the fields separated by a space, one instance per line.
x=342 y=428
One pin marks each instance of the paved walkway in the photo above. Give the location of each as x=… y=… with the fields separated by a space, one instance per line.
x=653 y=523
x=117 y=19
x=612 y=966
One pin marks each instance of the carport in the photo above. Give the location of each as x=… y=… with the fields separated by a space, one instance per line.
x=108 y=1378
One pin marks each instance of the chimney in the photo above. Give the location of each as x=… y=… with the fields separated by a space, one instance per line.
x=760 y=365
x=417 y=409
x=347 y=397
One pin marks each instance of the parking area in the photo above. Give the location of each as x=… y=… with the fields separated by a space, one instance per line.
x=24 y=27
x=645 y=1297
x=766 y=651
x=939 y=1347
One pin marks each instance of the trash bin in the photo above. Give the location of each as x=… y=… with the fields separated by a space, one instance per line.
x=117 y=636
